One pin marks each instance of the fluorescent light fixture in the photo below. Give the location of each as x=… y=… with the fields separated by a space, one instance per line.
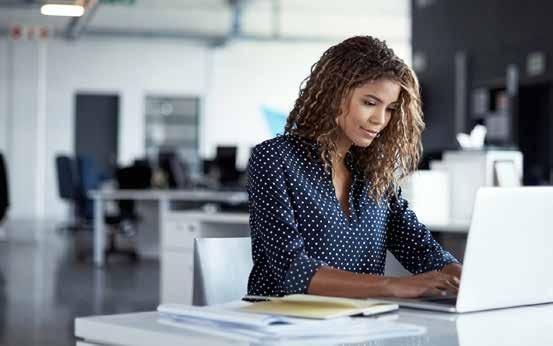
x=62 y=10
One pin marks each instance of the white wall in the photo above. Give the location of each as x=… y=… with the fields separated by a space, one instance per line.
x=246 y=76
x=20 y=120
x=233 y=81
x=3 y=94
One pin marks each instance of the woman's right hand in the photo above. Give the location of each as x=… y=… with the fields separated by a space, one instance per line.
x=426 y=284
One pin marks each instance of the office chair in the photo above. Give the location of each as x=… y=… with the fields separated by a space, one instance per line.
x=392 y=267
x=66 y=172
x=4 y=190
x=135 y=177
x=175 y=169
x=221 y=269
x=123 y=222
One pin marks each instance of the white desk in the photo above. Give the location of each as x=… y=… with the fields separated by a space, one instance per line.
x=516 y=326
x=163 y=197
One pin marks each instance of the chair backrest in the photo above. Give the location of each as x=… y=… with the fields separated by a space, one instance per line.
x=86 y=179
x=135 y=177
x=221 y=269
x=4 y=191
x=66 y=174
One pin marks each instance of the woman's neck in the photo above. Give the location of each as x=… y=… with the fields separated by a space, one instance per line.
x=343 y=144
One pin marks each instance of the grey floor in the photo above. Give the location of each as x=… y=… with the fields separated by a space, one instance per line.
x=43 y=287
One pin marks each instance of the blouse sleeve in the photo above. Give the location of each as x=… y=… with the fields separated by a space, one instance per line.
x=274 y=232
x=411 y=242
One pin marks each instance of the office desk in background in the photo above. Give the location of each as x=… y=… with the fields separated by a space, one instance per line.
x=531 y=325
x=162 y=197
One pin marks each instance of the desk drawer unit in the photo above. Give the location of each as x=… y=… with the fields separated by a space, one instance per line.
x=176 y=277
x=177 y=252
x=179 y=234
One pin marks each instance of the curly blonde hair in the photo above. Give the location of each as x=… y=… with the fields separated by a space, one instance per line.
x=396 y=152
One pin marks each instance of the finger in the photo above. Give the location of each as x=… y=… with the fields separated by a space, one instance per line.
x=446 y=286
x=457 y=281
x=434 y=292
x=452 y=280
x=452 y=285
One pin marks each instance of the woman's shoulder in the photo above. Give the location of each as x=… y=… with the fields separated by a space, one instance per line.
x=282 y=146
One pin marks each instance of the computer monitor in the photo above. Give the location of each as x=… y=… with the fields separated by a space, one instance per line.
x=225 y=160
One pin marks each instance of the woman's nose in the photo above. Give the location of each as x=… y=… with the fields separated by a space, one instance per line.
x=379 y=116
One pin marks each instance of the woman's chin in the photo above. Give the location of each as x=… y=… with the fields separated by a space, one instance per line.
x=363 y=142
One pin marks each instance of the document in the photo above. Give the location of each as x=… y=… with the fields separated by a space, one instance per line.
x=233 y=323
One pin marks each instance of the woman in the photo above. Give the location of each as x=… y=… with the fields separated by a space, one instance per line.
x=324 y=198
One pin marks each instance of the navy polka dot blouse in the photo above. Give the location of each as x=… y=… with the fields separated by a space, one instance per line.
x=297 y=224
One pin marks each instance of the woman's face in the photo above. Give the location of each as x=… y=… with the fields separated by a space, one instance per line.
x=369 y=111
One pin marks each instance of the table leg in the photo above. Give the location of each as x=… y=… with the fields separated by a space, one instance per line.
x=99 y=232
x=163 y=209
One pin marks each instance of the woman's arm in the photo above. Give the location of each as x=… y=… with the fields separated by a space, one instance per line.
x=411 y=242
x=329 y=281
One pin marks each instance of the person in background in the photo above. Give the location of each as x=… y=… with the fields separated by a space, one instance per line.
x=324 y=197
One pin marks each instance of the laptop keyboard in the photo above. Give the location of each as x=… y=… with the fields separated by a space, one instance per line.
x=441 y=300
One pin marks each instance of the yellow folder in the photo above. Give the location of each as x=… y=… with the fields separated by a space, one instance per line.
x=319 y=307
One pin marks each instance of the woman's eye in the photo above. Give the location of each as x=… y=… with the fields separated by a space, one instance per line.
x=370 y=103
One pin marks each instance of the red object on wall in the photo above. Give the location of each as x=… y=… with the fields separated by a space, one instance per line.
x=43 y=33
x=16 y=32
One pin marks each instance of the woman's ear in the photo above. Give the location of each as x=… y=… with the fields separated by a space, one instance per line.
x=344 y=106
x=339 y=120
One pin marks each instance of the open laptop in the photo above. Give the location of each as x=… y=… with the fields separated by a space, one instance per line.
x=508 y=256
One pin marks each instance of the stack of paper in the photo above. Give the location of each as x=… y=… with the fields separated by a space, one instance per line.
x=262 y=328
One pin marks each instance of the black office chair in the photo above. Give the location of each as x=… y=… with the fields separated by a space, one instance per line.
x=131 y=177
x=123 y=223
x=176 y=171
x=4 y=191
x=67 y=178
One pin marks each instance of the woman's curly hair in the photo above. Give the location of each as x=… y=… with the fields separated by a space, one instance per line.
x=342 y=68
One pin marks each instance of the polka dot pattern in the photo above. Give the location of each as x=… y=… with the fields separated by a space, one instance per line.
x=297 y=224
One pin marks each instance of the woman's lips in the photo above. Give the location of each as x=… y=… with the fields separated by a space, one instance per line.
x=369 y=133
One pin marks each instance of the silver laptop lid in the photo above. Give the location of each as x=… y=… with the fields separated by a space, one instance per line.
x=509 y=252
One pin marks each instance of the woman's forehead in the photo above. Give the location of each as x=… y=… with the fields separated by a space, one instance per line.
x=385 y=90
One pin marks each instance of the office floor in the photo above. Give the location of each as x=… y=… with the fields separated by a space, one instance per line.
x=43 y=287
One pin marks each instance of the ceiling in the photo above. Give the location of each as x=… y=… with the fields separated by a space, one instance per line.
x=388 y=19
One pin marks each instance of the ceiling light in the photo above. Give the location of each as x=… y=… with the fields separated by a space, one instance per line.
x=62 y=10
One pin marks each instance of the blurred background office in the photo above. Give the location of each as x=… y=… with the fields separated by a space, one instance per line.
x=126 y=127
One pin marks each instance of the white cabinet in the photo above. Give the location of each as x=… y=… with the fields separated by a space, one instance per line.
x=178 y=234
x=469 y=170
x=178 y=231
x=177 y=268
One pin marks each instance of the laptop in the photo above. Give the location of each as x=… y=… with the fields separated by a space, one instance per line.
x=508 y=256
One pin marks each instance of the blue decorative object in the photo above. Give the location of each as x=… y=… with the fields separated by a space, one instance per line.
x=275 y=120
